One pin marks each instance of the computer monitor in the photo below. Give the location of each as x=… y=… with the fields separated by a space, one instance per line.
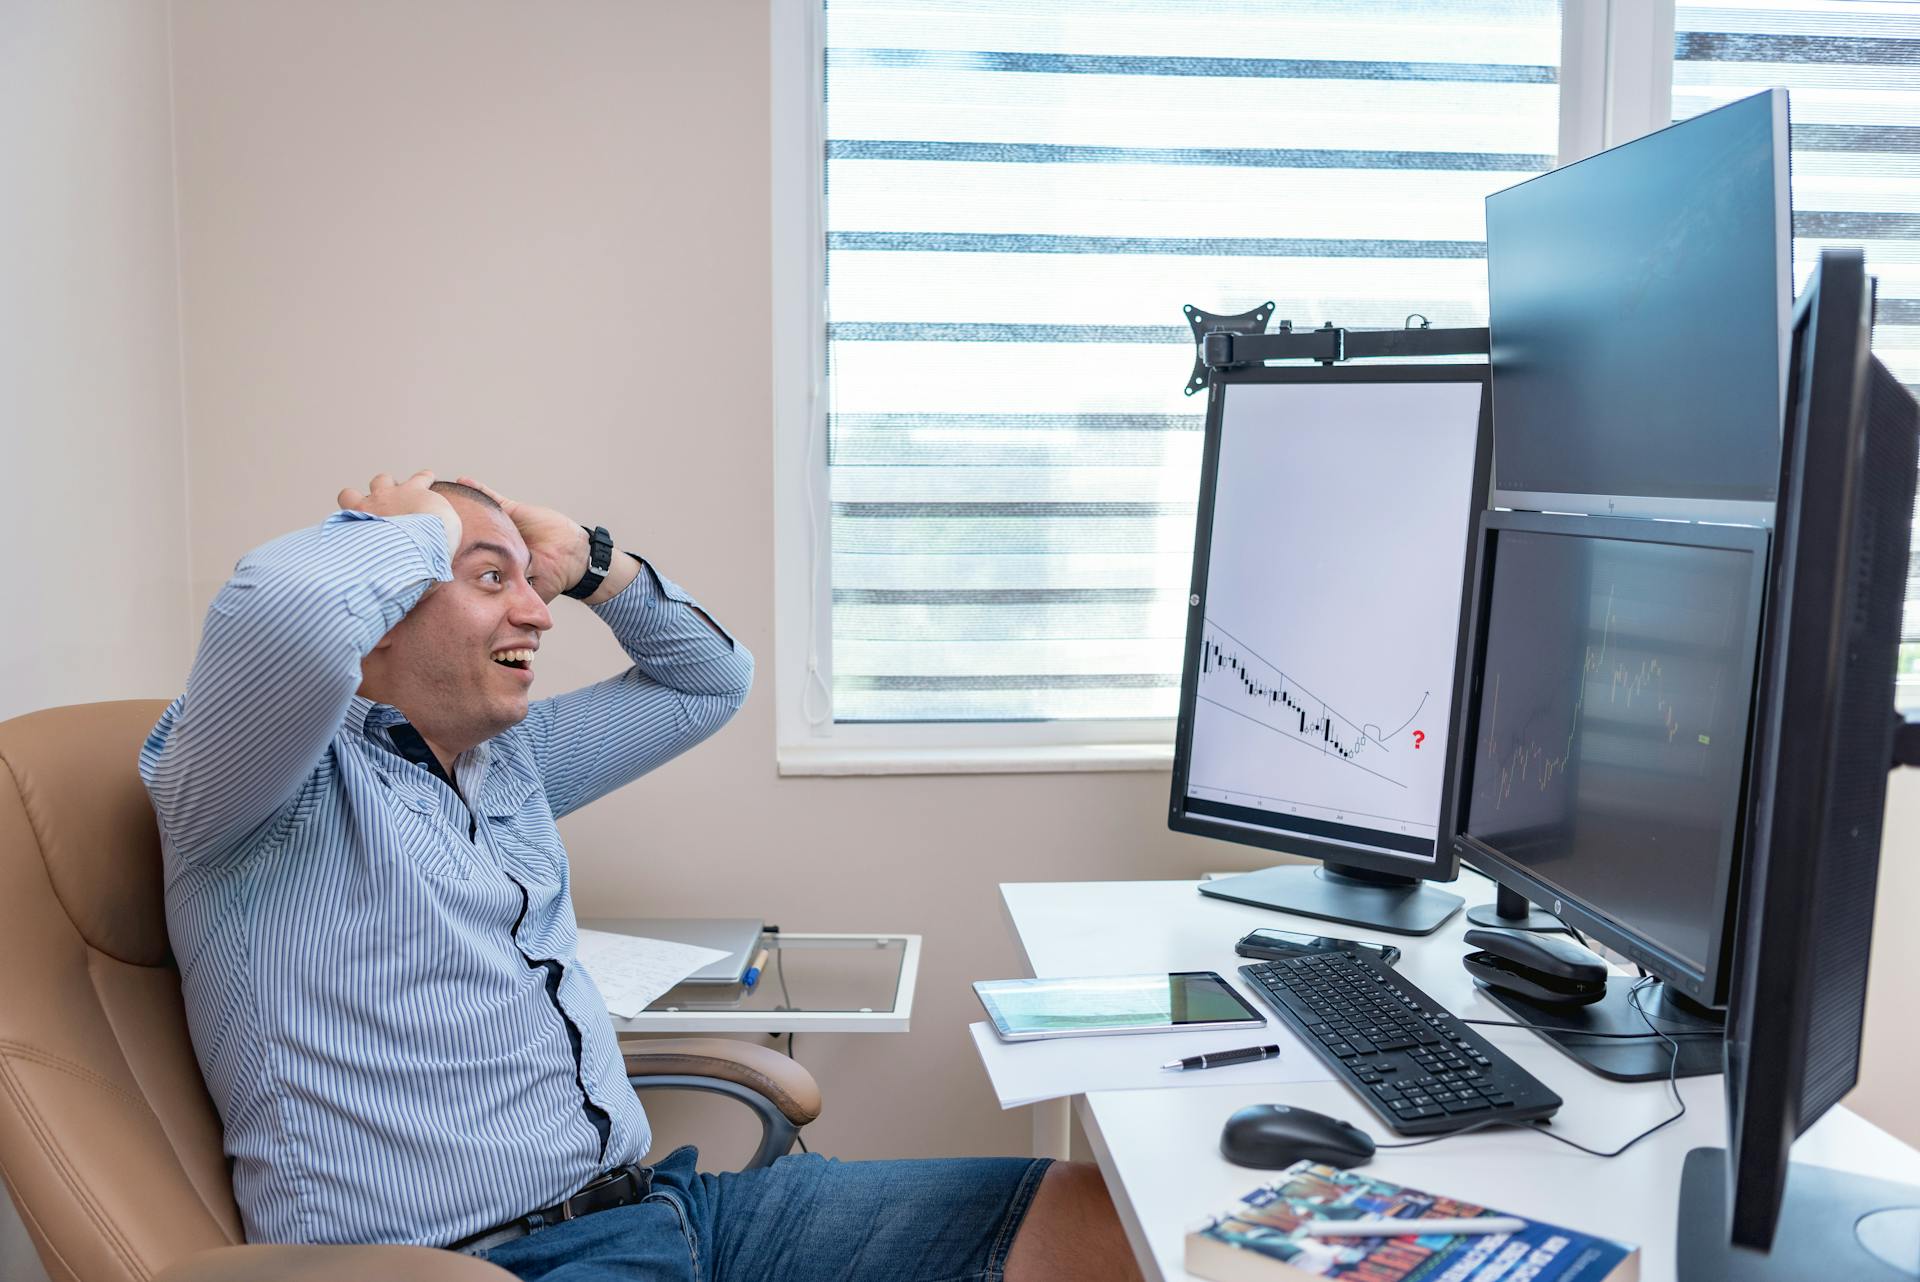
x=1605 y=708
x=1826 y=739
x=1329 y=569
x=1637 y=301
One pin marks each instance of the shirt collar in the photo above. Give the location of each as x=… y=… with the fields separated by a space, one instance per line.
x=388 y=726
x=370 y=717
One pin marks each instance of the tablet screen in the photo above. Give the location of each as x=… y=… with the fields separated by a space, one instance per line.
x=1114 y=1004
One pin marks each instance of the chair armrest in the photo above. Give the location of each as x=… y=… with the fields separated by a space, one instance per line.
x=760 y=1069
x=264 y=1263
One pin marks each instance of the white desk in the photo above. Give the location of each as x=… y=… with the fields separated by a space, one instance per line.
x=1159 y=1149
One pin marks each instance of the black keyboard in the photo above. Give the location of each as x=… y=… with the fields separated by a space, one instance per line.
x=1416 y=1065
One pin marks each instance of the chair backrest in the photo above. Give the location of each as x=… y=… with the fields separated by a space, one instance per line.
x=108 y=1140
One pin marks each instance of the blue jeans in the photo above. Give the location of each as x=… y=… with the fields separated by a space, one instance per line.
x=802 y=1219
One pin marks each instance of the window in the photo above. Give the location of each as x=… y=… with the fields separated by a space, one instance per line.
x=1018 y=201
x=1852 y=73
x=989 y=214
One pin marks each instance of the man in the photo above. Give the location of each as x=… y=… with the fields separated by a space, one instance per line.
x=368 y=899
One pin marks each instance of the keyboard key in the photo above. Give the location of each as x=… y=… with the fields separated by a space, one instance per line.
x=1472 y=1105
x=1413 y=1061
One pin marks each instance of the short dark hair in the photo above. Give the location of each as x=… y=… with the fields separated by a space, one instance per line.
x=455 y=490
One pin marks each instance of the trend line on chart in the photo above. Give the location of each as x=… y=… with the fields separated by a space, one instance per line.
x=1289 y=708
x=1625 y=683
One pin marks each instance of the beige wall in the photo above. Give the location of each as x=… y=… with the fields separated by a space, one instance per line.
x=93 y=509
x=92 y=455
x=1891 y=1046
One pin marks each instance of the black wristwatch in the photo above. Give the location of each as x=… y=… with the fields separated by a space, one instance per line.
x=599 y=561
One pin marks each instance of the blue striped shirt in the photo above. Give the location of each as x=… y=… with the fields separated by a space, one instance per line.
x=368 y=988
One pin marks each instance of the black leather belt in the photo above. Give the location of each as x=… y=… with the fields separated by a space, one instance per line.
x=622 y=1186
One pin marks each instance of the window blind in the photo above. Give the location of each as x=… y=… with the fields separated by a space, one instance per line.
x=1852 y=74
x=1019 y=199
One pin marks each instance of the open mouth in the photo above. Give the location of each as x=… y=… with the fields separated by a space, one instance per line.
x=519 y=660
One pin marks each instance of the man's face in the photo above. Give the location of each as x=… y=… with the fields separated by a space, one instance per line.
x=459 y=665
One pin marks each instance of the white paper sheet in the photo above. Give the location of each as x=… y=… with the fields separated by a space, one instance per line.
x=1026 y=1072
x=631 y=970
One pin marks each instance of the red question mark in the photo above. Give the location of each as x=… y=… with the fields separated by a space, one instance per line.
x=1418 y=735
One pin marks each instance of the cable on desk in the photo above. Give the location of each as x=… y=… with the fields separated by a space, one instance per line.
x=1539 y=1128
x=1581 y=1032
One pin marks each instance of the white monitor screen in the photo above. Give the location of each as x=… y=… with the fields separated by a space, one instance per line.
x=1335 y=563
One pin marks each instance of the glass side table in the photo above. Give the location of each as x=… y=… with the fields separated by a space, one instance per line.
x=827 y=983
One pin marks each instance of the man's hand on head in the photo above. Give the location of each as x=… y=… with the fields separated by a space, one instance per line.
x=556 y=543
x=388 y=497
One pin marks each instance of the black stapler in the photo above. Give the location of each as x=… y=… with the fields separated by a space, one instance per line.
x=1545 y=968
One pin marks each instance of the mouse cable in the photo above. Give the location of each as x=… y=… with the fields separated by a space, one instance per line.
x=1581 y=1032
x=1539 y=1128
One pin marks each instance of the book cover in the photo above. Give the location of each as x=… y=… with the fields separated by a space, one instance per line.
x=1258 y=1240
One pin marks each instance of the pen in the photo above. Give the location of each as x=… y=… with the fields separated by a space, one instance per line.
x=1219 y=1059
x=1392 y=1226
x=752 y=976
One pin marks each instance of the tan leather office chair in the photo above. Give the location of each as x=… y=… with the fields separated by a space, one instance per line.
x=109 y=1143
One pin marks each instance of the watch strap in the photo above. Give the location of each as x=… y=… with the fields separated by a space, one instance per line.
x=599 y=561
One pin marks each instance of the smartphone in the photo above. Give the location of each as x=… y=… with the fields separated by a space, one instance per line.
x=1271 y=944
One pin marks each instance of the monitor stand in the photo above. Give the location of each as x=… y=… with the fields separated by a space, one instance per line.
x=1833 y=1224
x=1644 y=1060
x=1342 y=893
x=1512 y=910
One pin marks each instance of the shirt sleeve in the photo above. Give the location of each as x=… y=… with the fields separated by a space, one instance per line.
x=278 y=665
x=686 y=681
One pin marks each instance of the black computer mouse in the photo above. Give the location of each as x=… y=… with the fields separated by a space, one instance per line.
x=1271 y=1136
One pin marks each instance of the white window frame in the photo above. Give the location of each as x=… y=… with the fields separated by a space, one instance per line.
x=1616 y=83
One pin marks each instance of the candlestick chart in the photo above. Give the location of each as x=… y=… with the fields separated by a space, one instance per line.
x=1237 y=680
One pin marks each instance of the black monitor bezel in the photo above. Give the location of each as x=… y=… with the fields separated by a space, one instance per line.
x=1443 y=866
x=1770 y=1028
x=1707 y=985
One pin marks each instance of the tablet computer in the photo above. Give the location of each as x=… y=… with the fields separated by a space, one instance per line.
x=1184 y=1001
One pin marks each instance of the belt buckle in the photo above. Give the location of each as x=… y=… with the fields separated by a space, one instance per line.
x=606 y=1179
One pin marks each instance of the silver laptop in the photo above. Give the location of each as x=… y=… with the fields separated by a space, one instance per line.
x=739 y=936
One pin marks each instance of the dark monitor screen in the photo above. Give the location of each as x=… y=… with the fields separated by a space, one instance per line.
x=1637 y=301
x=1610 y=723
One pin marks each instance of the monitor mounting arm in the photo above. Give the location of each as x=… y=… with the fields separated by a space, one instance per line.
x=1228 y=342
